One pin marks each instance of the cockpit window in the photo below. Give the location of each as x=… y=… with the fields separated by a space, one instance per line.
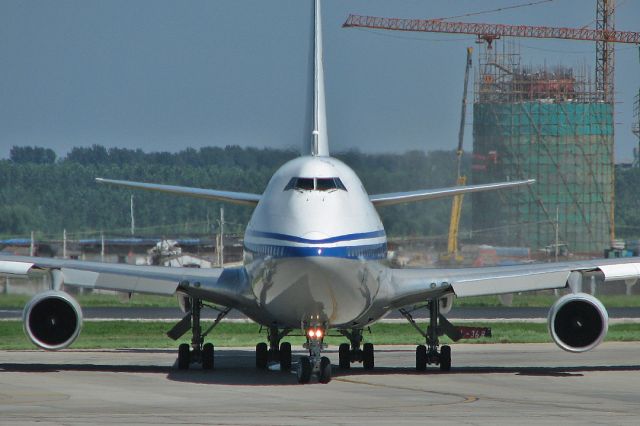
x=302 y=184
x=325 y=184
x=318 y=184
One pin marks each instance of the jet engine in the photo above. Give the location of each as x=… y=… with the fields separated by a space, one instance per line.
x=52 y=320
x=578 y=322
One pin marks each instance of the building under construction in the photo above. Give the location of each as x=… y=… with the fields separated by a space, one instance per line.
x=553 y=125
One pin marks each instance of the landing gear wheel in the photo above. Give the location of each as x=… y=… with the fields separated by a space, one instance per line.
x=421 y=357
x=445 y=358
x=262 y=355
x=207 y=356
x=367 y=356
x=285 y=356
x=304 y=370
x=184 y=357
x=344 y=354
x=325 y=370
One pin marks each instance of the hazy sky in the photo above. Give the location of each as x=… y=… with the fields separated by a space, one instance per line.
x=166 y=75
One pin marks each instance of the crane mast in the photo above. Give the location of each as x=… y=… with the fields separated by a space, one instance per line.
x=452 y=254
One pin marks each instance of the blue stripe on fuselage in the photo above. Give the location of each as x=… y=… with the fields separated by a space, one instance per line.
x=337 y=239
x=373 y=251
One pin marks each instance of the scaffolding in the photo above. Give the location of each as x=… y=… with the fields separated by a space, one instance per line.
x=551 y=124
x=635 y=128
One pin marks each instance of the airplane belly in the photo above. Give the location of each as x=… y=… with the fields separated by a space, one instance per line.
x=331 y=291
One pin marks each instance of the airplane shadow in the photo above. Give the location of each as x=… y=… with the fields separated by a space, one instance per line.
x=237 y=368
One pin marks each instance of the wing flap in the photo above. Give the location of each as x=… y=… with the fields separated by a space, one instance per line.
x=228 y=287
x=510 y=283
x=119 y=282
x=624 y=271
x=15 y=268
x=416 y=285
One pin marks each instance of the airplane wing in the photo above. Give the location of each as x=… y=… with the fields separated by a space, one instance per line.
x=228 y=287
x=413 y=286
x=430 y=194
x=209 y=194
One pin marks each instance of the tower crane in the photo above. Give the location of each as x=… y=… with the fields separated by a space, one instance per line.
x=604 y=35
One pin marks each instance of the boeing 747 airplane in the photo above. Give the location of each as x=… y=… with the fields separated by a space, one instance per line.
x=315 y=260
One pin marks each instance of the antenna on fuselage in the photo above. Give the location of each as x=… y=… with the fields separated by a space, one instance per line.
x=320 y=142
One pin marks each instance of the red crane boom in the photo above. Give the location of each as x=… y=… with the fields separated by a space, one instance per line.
x=490 y=32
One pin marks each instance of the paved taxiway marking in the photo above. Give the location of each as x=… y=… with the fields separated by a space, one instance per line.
x=466 y=399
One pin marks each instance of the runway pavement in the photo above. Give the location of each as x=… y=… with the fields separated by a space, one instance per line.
x=489 y=384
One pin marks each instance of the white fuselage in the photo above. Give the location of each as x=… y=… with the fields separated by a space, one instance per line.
x=315 y=248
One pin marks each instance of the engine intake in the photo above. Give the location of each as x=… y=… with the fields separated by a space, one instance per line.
x=52 y=320
x=578 y=322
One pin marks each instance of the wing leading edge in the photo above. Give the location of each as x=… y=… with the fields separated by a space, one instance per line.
x=209 y=194
x=430 y=194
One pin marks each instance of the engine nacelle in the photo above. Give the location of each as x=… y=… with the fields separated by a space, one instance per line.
x=52 y=320
x=578 y=322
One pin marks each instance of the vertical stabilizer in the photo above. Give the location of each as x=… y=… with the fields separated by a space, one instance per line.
x=319 y=139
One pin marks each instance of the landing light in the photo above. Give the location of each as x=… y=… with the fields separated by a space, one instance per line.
x=315 y=334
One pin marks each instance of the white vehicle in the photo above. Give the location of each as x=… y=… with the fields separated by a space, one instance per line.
x=315 y=259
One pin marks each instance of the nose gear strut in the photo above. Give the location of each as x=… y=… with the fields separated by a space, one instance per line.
x=315 y=363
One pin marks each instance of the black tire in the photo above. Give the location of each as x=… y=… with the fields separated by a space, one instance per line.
x=421 y=357
x=344 y=356
x=184 y=356
x=325 y=370
x=285 y=356
x=304 y=370
x=367 y=356
x=445 y=358
x=262 y=355
x=207 y=356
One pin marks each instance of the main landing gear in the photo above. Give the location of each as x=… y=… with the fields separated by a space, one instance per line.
x=348 y=353
x=314 y=363
x=429 y=354
x=276 y=351
x=198 y=352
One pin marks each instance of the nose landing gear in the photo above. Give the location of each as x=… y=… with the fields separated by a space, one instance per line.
x=315 y=363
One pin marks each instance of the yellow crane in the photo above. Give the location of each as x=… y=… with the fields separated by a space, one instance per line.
x=452 y=254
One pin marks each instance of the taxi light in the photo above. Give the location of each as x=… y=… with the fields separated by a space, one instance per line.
x=316 y=333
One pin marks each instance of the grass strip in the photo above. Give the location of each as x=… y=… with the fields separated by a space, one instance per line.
x=133 y=334
x=94 y=300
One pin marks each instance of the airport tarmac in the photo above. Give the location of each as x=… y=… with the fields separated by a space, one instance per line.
x=488 y=384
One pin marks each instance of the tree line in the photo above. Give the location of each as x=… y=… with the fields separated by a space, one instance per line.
x=42 y=192
x=46 y=193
